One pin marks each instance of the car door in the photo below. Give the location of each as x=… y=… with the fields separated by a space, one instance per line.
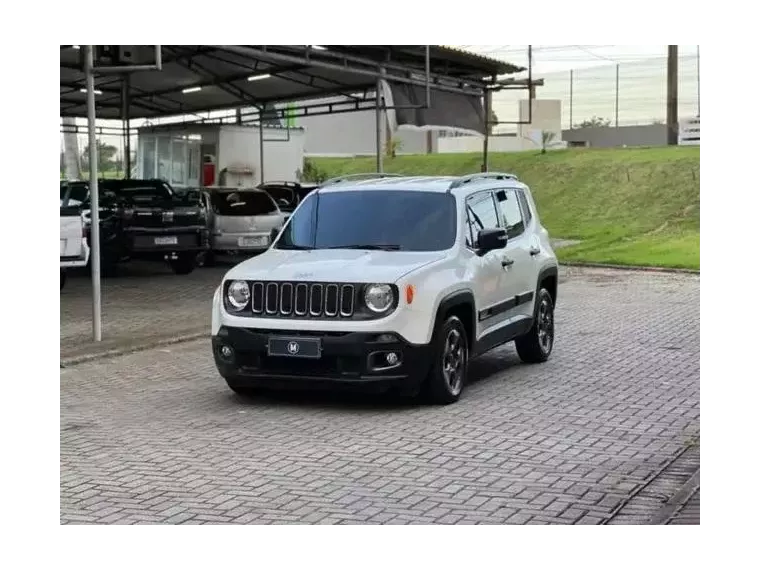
x=519 y=275
x=491 y=297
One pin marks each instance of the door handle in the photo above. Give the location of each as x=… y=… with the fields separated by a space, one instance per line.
x=507 y=262
x=535 y=250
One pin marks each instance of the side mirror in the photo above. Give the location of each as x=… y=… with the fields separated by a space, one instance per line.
x=490 y=239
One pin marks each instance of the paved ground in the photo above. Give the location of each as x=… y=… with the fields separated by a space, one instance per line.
x=143 y=303
x=689 y=513
x=156 y=437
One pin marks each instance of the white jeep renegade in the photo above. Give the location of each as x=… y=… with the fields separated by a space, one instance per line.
x=392 y=282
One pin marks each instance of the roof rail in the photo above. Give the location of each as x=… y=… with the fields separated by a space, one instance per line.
x=359 y=176
x=467 y=178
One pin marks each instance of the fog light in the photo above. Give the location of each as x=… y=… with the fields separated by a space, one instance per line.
x=391 y=358
x=385 y=338
x=226 y=352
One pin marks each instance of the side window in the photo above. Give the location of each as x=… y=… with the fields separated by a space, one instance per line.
x=527 y=214
x=481 y=214
x=509 y=208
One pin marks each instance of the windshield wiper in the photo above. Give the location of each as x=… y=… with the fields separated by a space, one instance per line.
x=297 y=247
x=374 y=246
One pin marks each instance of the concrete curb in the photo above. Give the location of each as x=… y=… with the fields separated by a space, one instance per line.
x=99 y=355
x=677 y=501
x=644 y=268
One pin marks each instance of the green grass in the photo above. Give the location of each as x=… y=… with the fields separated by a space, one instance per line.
x=637 y=206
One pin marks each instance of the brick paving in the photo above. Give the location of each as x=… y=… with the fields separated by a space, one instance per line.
x=156 y=436
x=142 y=303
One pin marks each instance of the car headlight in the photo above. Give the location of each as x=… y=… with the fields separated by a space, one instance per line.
x=378 y=297
x=238 y=295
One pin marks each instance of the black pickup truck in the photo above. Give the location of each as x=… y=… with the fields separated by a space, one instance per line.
x=146 y=219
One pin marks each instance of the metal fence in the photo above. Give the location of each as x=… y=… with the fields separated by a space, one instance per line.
x=630 y=93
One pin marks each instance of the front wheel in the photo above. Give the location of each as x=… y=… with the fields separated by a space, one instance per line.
x=536 y=345
x=63 y=278
x=448 y=372
x=184 y=264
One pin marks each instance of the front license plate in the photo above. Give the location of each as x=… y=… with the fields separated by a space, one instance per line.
x=295 y=347
x=166 y=240
x=259 y=241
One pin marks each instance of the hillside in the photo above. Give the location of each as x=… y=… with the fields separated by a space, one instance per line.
x=627 y=206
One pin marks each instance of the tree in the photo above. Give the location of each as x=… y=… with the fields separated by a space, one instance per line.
x=493 y=120
x=547 y=139
x=593 y=122
x=106 y=157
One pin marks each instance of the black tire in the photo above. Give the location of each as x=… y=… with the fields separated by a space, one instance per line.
x=209 y=259
x=448 y=371
x=184 y=264
x=63 y=278
x=536 y=345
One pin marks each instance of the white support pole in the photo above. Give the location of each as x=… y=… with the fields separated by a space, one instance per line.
x=94 y=198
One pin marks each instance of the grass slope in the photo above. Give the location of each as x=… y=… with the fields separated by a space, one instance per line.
x=637 y=206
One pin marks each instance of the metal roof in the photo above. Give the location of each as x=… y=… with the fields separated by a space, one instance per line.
x=202 y=78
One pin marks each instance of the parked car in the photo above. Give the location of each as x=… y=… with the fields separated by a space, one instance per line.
x=75 y=252
x=146 y=219
x=241 y=220
x=393 y=283
x=287 y=194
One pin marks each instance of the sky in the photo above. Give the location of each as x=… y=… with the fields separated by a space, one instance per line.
x=642 y=87
x=553 y=58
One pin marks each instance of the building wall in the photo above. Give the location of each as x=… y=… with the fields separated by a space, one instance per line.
x=283 y=151
x=606 y=137
x=353 y=134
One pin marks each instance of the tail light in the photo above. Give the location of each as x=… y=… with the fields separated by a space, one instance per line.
x=128 y=213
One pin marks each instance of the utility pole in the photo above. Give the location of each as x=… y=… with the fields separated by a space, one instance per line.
x=617 y=95
x=672 y=103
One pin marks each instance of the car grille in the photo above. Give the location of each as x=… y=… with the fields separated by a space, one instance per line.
x=303 y=300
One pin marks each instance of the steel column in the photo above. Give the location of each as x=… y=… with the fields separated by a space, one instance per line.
x=94 y=198
x=126 y=127
x=487 y=111
x=261 y=145
x=379 y=99
x=617 y=95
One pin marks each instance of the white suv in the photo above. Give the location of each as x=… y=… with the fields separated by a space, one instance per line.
x=391 y=282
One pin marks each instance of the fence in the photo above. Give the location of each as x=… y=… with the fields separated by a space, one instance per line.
x=621 y=94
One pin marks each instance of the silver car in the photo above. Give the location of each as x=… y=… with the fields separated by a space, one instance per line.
x=241 y=219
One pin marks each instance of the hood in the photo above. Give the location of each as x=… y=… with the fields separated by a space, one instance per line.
x=333 y=265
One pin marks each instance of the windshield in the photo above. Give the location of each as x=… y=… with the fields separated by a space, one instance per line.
x=373 y=219
x=242 y=203
x=282 y=193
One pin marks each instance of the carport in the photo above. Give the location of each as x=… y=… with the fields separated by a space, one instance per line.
x=425 y=86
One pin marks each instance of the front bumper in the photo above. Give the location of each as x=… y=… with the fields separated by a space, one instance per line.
x=78 y=260
x=152 y=242
x=347 y=358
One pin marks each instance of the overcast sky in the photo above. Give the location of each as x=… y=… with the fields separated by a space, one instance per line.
x=552 y=58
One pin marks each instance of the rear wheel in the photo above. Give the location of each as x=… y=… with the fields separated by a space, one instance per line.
x=536 y=345
x=184 y=264
x=209 y=259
